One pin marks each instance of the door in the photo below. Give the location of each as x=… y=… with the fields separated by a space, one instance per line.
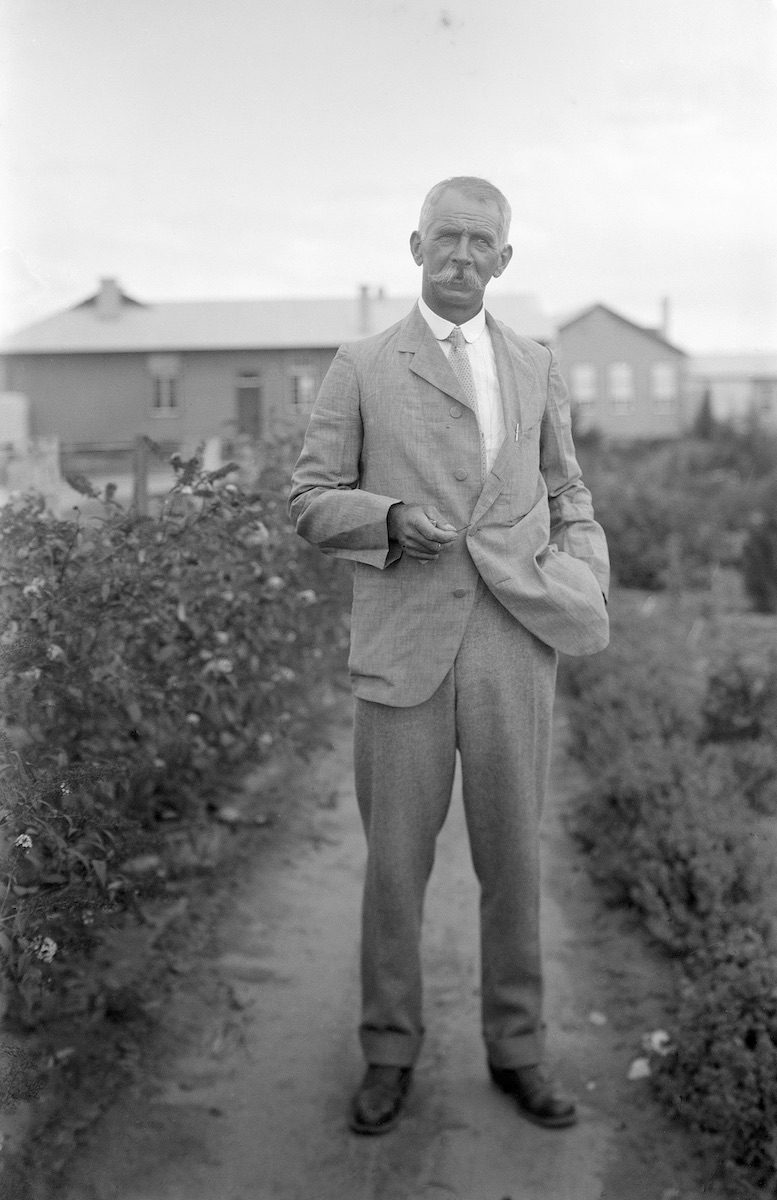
x=249 y=408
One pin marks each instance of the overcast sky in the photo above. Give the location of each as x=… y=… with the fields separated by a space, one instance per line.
x=247 y=148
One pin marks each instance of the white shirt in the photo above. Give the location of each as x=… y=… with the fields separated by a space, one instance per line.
x=480 y=353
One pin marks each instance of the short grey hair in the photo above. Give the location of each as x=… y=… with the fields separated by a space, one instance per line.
x=475 y=189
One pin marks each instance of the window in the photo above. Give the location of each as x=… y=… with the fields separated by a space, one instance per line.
x=620 y=385
x=765 y=396
x=663 y=384
x=165 y=370
x=582 y=381
x=304 y=385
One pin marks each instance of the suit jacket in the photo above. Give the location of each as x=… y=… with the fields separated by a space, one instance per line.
x=392 y=423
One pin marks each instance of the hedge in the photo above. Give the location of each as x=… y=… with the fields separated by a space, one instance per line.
x=681 y=753
x=146 y=660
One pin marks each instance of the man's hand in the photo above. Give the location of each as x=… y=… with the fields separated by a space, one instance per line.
x=420 y=531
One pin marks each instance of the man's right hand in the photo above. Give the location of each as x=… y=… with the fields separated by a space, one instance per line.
x=420 y=530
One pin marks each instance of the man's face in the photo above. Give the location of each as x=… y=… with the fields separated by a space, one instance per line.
x=460 y=251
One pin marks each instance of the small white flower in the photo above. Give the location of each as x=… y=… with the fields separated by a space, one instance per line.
x=308 y=596
x=265 y=740
x=258 y=536
x=35 y=587
x=222 y=638
x=193 y=718
x=218 y=666
x=228 y=596
x=24 y=841
x=55 y=653
x=186 y=490
x=64 y=789
x=46 y=950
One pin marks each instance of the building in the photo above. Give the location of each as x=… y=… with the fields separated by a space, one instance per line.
x=626 y=381
x=742 y=388
x=113 y=368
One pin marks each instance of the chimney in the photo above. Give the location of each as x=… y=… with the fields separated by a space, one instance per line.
x=109 y=300
x=663 y=327
x=365 y=324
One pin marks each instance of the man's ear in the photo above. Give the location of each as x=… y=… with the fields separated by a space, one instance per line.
x=505 y=254
x=415 y=248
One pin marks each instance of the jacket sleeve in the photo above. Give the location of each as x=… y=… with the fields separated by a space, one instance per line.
x=326 y=503
x=572 y=524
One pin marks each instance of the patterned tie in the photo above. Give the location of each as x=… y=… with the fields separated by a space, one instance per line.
x=459 y=360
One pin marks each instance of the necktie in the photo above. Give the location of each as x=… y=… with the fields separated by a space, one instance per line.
x=459 y=360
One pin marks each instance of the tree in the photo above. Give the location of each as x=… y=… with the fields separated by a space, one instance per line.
x=705 y=425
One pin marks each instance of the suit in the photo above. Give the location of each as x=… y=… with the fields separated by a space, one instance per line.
x=458 y=654
x=392 y=422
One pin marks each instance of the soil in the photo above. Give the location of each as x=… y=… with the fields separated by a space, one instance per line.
x=244 y=1090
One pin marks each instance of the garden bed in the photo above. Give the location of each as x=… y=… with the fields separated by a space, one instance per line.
x=677 y=726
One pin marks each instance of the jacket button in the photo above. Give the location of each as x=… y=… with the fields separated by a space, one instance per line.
x=459 y=593
x=461 y=473
x=455 y=410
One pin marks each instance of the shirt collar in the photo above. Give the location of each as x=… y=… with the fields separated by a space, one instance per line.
x=442 y=329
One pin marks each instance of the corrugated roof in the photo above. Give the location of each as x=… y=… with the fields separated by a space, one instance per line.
x=734 y=366
x=239 y=324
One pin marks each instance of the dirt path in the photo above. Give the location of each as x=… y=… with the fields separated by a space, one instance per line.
x=261 y=1052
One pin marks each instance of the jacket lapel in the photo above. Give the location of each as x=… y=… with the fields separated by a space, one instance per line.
x=428 y=360
x=517 y=382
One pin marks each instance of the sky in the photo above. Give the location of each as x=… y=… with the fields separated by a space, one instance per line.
x=196 y=149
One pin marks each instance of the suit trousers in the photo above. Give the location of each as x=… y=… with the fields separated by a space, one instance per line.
x=495 y=707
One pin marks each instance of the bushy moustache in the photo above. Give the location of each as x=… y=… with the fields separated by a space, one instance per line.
x=452 y=274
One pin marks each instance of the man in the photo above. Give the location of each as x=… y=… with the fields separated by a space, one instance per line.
x=439 y=460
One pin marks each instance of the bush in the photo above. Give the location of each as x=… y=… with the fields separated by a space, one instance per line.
x=671 y=512
x=721 y=1079
x=759 y=563
x=146 y=660
x=677 y=772
x=741 y=700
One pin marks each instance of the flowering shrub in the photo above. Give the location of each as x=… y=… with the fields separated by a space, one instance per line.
x=144 y=659
x=681 y=763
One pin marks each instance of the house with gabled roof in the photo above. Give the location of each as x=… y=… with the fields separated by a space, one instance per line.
x=112 y=368
x=626 y=381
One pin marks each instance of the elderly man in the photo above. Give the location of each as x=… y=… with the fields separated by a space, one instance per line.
x=439 y=461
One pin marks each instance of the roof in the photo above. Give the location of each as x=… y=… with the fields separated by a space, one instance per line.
x=240 y=324
x=734 y=366
x=647 y=330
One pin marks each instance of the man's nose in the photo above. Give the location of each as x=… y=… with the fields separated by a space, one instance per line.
x=462 y=251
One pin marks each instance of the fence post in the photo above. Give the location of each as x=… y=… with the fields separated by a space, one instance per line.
x=140 y=476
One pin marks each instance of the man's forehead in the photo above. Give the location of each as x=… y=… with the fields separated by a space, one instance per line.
x=455 y=205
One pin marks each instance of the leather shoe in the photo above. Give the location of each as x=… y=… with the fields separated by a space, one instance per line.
x=535 y=1096
x=378 y=1104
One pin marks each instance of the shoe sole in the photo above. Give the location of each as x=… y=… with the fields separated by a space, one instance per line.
x=356 y=1126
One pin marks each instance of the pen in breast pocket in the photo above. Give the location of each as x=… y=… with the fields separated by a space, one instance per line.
x=517 y=431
